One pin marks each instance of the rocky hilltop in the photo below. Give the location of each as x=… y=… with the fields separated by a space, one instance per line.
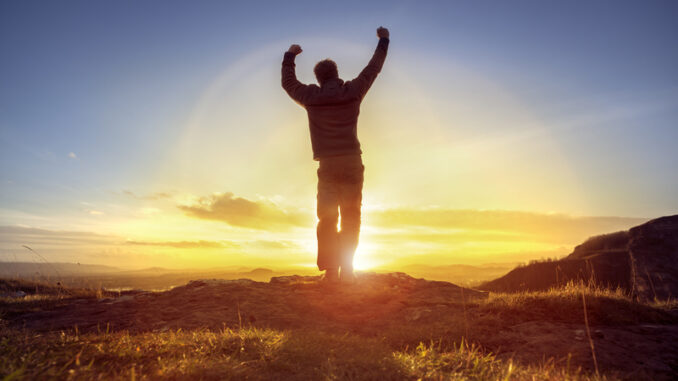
x=643 y=261
x=287 y=302
x=394 y=311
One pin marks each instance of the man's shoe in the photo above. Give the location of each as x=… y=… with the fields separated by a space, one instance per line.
x=331 y=276
x=347 y=276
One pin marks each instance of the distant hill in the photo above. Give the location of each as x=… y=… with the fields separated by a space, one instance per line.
x=160 y=278
x=466 y=275
x=643 y=261
x=112 y=278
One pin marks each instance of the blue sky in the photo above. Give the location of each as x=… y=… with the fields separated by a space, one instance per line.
x=589 y=89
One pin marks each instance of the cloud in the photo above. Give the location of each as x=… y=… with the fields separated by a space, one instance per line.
x=152 y=196
x=447 y=236
x=15 y=236
x=242 y=212
x=251 y=245
x=187 y=244
x=19 y=235
x=72 y=155
x=272 y=245
x=543 y=227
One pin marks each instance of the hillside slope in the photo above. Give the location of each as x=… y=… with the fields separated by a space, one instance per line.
x=643 y=261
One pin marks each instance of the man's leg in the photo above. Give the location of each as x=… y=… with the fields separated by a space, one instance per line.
x=350 y=202
x=328 y=215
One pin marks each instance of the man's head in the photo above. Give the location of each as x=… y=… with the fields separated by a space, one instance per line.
x=325 y=70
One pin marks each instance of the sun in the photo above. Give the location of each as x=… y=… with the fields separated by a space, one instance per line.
x=364 y=258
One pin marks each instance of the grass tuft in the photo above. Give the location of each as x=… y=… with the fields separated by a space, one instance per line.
x=250 y=354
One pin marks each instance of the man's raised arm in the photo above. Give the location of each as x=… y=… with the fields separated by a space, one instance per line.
x=366 y=77
x=294 y=88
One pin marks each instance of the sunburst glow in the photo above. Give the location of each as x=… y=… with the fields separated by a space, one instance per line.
x=158 y=145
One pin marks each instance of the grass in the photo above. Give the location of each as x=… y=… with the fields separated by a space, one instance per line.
x=478 y=321
x=250 y=354
x=435 y=350
x=466 y=362
x=41 y=296
x=564 y=304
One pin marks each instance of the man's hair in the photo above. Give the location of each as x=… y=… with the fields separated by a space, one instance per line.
x=325 y=70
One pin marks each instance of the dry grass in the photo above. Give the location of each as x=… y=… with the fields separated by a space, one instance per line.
x=437 y=350
x=564 y=304
x=465 y=362
x=249 y=354
x=41 y=296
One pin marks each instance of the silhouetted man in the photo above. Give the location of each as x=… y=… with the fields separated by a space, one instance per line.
x=333 y=109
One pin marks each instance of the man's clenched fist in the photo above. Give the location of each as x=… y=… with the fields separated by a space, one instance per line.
x=296 y=49
x=382 y=32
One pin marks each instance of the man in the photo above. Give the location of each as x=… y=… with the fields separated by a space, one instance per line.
x=333 y=109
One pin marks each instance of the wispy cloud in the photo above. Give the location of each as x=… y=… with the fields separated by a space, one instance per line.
x=398 y=235
x=501 y=225
x=14 y=236
x=187 y=244
x=72 y=155
x=238 y=211
x=152 y=196
x=272 y=245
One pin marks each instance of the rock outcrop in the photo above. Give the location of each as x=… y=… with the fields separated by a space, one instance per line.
x=643 y=261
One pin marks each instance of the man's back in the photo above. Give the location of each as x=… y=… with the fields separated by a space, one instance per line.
x=333 y=107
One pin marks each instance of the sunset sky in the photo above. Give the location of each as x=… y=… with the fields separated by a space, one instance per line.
x=156 y=133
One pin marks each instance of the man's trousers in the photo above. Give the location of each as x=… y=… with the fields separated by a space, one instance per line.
x=340 y=186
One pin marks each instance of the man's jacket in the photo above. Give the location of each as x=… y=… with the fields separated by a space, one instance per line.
x=333 y=108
